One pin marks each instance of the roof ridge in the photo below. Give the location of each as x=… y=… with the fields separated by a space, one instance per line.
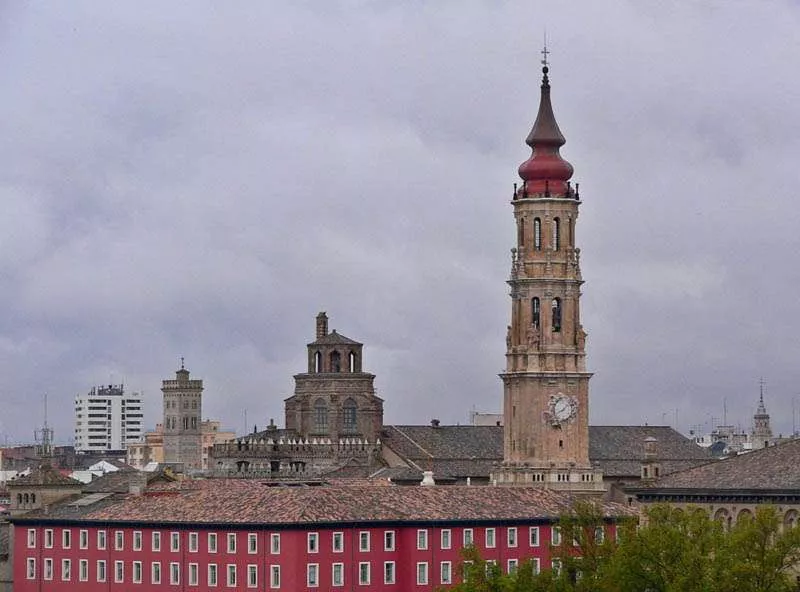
x=414 y=442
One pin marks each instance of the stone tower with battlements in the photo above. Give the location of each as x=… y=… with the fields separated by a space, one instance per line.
x=183 y=408
x=545 y=383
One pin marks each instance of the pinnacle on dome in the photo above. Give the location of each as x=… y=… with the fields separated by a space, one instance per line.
x=545 y=172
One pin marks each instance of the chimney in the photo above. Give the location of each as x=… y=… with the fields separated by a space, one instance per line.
x=427 y=479
x=137 y=483
x=322 y=325
x=434 y=423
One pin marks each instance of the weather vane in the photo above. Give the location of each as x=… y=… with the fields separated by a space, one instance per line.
x=545 y=52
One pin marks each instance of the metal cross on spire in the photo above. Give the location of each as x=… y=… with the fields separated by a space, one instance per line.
x=545 y=51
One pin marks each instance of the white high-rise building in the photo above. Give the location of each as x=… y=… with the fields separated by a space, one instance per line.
x=107 y=419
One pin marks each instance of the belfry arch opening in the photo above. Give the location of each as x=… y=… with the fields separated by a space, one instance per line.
x=556 y=234
x=351 y=362
x=318 y=362
x=556 y=314
x=536 y=312
x=537 y=233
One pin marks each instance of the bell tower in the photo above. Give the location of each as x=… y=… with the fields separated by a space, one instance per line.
x=545 y=383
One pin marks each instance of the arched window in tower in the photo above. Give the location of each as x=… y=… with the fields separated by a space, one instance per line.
x=556 y=234
x=351 y=362
x=571 y=231
x=556 y=315
x=349 y=416
x=320 y=416
x=537 y=233
x=521 y=232
x=317 y=362
x=536 y=312
x=336 y=361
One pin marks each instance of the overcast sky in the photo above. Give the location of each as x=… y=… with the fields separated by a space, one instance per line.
x=200 y=179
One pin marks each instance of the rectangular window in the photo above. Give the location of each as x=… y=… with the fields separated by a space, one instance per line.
x=83 y=570
x=31 y=538
x=422 y=573
x=363 y=541
x=274 y=576
x=137 y=540
x=212 y=542
x=536 y=565
x=155 y=541
x=468 y=540
x=48 y=538
x=194 y=574
x=252 y=576
x=194 y=544
x=533 y=536
x=337 y=574
x=212 y=574
x=101 y=570
x=313 y=542
x=422 y=539
x=119 y=571
x=137 y=572
x=511 y=536
x=231 y=542
x=338 y=542
x=312 y=575
x=174 y=573
x=512 y=566
x=252 y=543
x=389 y=572
x=231 y=575
x=48 y=569
x=83 y=539
x=490 y=542
x=175 y=542
x=599 y=535
x=555 y=535
x=446 y=571
x=275 y=543
x=30 y=568
x=388 y=540
x=66 y=570
x=119 y=540
x=556 y=565
x=363 y=573
x=446 y=543
x=155 y=572
x=66 y=538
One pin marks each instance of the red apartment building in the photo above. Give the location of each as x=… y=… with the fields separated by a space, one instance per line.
x=246 y=535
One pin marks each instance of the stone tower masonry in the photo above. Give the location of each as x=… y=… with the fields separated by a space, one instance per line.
x=545 y=384
x=183 y=408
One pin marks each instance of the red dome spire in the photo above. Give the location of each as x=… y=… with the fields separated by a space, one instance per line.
x=545 y=171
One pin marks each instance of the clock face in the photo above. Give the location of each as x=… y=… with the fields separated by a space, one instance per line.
x=563 y=408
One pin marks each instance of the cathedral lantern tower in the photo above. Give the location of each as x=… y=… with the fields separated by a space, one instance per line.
x=545 y=383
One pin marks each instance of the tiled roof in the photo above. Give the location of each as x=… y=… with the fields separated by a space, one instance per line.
x=334 y=338
x=120 y=481
x=44 y=476
x=775 y=467
x=246 y=501
x=470 y=451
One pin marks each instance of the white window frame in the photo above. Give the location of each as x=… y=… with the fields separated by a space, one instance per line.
x=512 y=565
x=389 y=540
x=155 y=541
x=31 y=538
x=83 y=570
x=337 y=574
x=252 y=543
x=193 y=576
x=66 y=570
x=422 y=539
x=555 y=566
x=555 y=535
x=533 y=536
x=446 y=572
x=137 y=572
x=230 y=575
x=446 y=539
x=102 y=540
x=174 y=542
x=275 y=543
x=252 y=575
x=119 y=540
x=468 y=537
x=364 y=581
x=155 y=572
x=512 y=537
x=212 y=542
x=119 y=571
x=389 y=578
x=174 y=573
x=599 y=535
x=337 y=542
x=536 y=564
x=136 y=543
x=212 y=575
x=231 y=542
x=274 y=576
x=490 y=536
x=83 y=538
x=30 y=568
x=194 y=542
x=47 y=572
x=312 y=542
x=66 y=538
x=101 y=570
x=422 y=573
x=312 y=575
x=363 y=541
x=49 y=537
